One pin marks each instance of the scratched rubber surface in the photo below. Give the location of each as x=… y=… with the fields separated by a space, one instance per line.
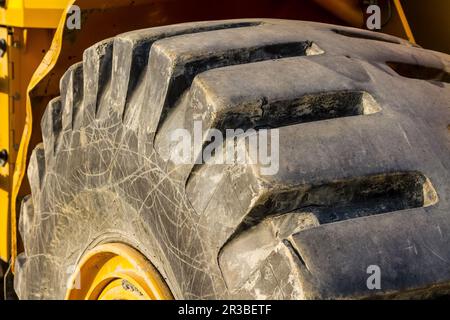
x=363 y=174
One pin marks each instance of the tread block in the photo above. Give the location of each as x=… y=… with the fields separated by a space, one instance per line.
x=130 y=58
x=262 y=240
x=36 y=170
x=410 y=247
x=270 y=94
x=175 y=62
x=264 y=230
x=26 y=220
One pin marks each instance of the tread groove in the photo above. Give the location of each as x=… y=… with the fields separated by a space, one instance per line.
x=365 y=36
x=308 y=108
x=419 y=72
x=72 y=94
x=350 y=199
x=51 y=126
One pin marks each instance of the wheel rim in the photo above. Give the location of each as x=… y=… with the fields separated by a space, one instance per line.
x=115 y=271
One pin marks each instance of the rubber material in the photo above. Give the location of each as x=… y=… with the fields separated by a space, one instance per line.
x=363 y=174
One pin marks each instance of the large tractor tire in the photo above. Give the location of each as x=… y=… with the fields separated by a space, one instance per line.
x=362 y=188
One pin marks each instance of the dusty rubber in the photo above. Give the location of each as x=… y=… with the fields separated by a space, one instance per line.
x=363 y=178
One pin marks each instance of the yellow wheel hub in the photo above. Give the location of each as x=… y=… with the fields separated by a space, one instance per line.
x=115 y=271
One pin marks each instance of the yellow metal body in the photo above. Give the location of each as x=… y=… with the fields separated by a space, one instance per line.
x=41 y=48
x=115 y=271
x=5 y=137
x=32 y=14
x=25 y=49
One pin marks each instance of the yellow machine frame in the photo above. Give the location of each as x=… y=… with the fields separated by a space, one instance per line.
x=39 y=50
x=28 y=28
